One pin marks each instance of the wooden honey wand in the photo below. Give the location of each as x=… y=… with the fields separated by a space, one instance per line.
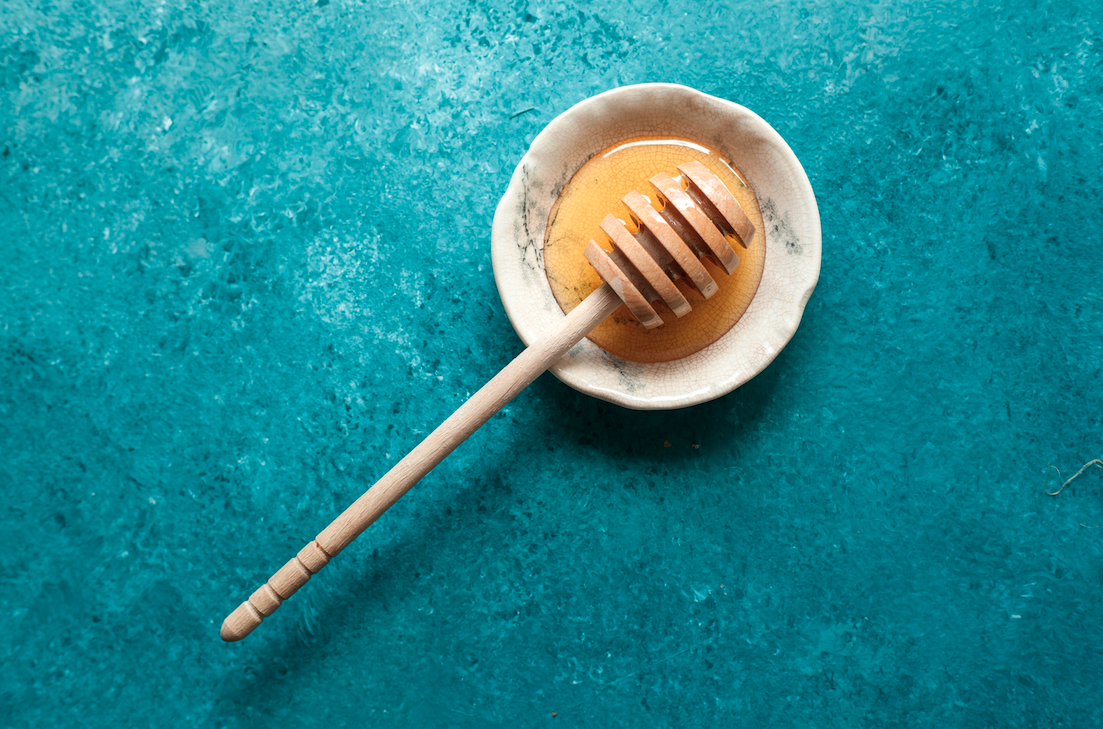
x=698 y=217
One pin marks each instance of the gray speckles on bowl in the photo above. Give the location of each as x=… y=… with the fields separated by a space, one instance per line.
x=793 y=245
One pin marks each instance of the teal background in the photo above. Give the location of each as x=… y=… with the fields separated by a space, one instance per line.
x=244 y=258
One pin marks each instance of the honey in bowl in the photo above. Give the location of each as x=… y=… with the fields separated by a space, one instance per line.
x=596 y=190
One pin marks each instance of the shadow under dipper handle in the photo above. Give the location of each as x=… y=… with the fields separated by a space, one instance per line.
x=516 y=376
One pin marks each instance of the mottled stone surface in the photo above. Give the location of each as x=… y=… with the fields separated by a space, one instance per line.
x=245 y=265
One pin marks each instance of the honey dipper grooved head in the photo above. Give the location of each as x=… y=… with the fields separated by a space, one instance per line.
x=698 y=216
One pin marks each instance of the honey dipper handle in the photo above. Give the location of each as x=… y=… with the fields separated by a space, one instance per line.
x=516 y=376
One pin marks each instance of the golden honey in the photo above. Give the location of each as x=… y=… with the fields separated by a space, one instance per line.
x=596 y=190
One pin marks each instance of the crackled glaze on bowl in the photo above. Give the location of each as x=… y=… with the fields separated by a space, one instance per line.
x=792 y=233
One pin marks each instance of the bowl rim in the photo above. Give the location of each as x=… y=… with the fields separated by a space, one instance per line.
x=768 y=330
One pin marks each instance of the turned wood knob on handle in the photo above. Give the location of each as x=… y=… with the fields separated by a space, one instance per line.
x=271 y=594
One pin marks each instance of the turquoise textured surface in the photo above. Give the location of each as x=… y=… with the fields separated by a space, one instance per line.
x=244 y=259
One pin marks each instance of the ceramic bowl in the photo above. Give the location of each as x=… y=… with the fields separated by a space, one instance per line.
x=792 y=241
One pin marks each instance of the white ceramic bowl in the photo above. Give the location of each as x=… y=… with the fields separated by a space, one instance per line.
x=792 y=241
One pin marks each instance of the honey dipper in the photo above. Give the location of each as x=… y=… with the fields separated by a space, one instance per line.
x=697 y=218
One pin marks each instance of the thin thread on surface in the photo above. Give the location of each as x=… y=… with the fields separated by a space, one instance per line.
x=1097 y=462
